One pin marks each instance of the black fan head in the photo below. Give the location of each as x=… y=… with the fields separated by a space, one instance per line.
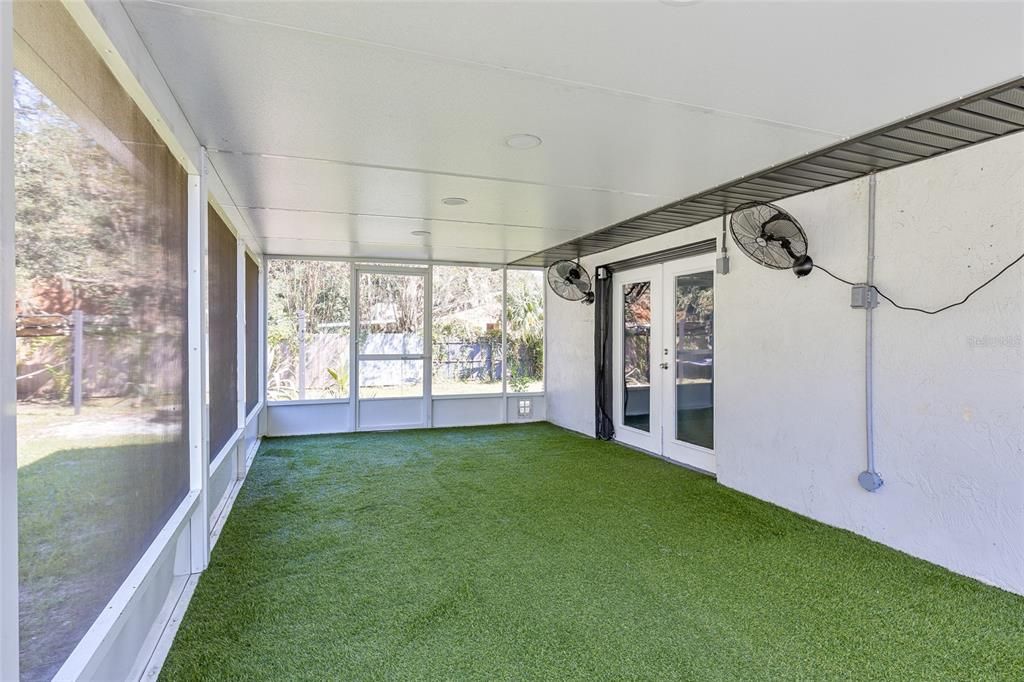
x=771 y=237
x=570 y=281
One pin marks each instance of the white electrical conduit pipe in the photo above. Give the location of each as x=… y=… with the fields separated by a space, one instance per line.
x=869 y=479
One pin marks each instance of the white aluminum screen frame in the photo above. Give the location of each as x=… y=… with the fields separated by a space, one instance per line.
x=9 y=649
x=424 y=356
x=404 y=266
x=131 y=610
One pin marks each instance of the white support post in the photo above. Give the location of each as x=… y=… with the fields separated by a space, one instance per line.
x=504 y=345
x=428 y=347
x=77 y=355
x=198 y=421
x=241 y=314
x=302 y=355
x=353 y=351
x=544 y=337
x=8 y=363
x=261 y=332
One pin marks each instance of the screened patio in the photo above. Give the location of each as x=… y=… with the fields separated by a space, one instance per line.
x=385 y=340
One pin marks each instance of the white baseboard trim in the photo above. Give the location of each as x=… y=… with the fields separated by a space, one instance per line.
x=251 y=454
x=111 y=646
x=166 y=638
x=170 y=627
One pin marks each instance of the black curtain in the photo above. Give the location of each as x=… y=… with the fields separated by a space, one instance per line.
x=605 y=428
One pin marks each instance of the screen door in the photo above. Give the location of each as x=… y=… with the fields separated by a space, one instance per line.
x=392 y=348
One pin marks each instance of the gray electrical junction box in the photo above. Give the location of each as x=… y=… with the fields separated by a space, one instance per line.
x=863 y=296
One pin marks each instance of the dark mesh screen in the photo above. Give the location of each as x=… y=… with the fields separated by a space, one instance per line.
x=101 y=232
x=252 y=334
x=222 y=285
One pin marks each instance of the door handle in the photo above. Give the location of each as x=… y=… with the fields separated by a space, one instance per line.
x=664 y=365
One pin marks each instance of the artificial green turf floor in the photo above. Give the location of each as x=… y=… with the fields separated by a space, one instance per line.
x=528 y=552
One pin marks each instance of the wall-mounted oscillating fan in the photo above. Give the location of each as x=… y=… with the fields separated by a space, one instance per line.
x=570 y=281
x=771 y=237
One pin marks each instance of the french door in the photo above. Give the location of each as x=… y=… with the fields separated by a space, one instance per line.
x=664 y=352
x=392 y=371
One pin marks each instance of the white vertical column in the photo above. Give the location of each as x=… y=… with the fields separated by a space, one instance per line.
x=198 y=418
x=8 y=363
x=428 y=347
x=301 y=369
x=241 y=361
x=544 y=335
x=261 y=334
x=353 y=340
x=504 y=345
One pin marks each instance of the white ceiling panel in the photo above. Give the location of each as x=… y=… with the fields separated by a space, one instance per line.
x=303 y=184
x=298 y=94
x=388 y=251
x=277 y=223
x=339 y=126
x=880 y=59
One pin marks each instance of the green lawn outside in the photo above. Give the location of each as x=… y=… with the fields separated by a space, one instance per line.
x=89 y=504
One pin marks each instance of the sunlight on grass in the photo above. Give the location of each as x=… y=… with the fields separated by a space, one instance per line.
x=46 y=428
x=85 y=484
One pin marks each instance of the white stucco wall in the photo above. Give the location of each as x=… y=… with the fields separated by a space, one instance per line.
x=949 y=388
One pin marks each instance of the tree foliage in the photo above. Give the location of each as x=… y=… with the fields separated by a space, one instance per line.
x=466 y=318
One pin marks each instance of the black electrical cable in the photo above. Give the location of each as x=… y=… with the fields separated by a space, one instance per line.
x=922 y=310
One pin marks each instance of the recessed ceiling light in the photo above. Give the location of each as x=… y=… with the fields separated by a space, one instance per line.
x=454 y=201
x=523 y=141
x=421 y=233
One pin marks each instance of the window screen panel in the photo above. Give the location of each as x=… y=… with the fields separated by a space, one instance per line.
x=466 y=338
x=101 y=228
x=222 y=288
x=252 y=334
x=524 y=310
x=308 y=329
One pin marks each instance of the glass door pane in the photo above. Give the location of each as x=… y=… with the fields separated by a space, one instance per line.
x=636 y=355
x=637 y=374
x=694 y=343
